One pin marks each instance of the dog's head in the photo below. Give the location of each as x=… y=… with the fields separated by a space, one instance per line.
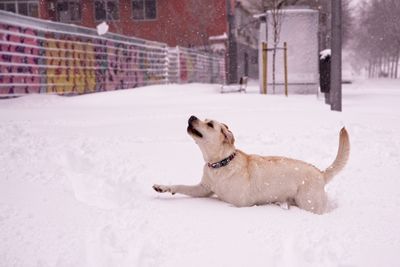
x=214 y=138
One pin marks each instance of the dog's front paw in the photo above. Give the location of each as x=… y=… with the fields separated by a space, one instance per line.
x=163 y=189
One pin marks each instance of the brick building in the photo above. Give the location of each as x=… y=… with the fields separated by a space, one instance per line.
x=189 y=23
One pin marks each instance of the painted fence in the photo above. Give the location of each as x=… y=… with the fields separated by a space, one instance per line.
x=48 y=57
x=190 y=65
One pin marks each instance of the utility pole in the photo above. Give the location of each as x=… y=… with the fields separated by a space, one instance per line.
x=336 y=59
x=232 y=47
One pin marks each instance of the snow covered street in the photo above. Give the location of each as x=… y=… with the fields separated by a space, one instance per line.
x=76 y=176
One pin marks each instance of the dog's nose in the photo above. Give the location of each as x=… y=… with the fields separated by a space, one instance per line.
x=192 y=119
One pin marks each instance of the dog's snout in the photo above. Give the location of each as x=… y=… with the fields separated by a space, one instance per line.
x=192 y=119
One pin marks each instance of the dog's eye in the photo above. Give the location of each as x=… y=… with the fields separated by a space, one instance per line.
x=210 y=124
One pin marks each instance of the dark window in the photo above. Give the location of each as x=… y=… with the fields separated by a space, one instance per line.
x=144 y=9
x=137 y=9
x=100 y=10
x=33 y=10
x=75 y=10
x=69 y=10
x=23 y=9
x=112 y=10
x=150 y=9
x=11 y=7
x=26 y=8
x=323 y=18
x=106 y=10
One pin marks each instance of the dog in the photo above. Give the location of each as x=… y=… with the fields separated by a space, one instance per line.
x=246 y=180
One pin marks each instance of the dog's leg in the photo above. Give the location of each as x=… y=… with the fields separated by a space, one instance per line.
x=312 y=199
x=189 y=190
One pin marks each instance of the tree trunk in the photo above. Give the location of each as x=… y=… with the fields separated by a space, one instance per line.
x=392 y=61
x=372 y=69
x=374 y=63
x=387 y=66
x=387 y=63
x=369 y=68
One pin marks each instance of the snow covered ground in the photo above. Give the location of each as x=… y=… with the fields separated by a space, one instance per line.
x=76 y=176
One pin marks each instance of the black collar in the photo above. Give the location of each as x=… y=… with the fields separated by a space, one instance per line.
x=223 y=162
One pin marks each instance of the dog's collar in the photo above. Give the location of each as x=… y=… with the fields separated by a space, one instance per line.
x=223 y=162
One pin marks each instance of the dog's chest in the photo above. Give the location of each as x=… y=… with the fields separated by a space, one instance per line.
x=230 y=188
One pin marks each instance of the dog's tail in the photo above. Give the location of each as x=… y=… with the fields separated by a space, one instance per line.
x=341 y=158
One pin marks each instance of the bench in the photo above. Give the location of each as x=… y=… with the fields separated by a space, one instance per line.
x=241 y=87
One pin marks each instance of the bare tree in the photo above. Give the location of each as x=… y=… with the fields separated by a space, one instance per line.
x=377 y=43
x=276 y=19
x=275 y=8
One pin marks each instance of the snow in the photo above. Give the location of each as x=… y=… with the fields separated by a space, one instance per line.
x=102 y=28
x=325 y=53
x=76 y=176
x=223 y=37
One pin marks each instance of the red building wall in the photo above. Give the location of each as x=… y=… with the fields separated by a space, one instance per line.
x=179 y=22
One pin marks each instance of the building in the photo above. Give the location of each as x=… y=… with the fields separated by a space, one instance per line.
x=299 y=30
x=298 y=35
x=246 y=38
x=188 y=23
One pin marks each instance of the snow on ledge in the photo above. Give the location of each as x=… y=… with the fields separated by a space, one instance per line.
x=325 y=53
x=221 y=37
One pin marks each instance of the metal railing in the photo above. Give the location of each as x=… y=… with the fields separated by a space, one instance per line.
x=40 y=56
x=196 y=66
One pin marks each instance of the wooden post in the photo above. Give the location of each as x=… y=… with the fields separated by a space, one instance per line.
x=265 y=65
x=286 y=67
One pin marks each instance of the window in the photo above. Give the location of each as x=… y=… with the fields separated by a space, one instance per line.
x=323 y=18
x=23 y=8
x=144 y=9
x=26 y=8
x=33 y=10
x=106 y=10
x=69 y=10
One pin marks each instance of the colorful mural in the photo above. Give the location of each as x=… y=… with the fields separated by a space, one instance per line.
x=70 y=65
x=200 y=67
x=19 y=61
x=36 y=61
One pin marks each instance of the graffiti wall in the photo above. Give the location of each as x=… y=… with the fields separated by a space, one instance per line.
x=200 y=67
x=70 y=65
x=47 y=57
x=50 y=60
x=20 y=51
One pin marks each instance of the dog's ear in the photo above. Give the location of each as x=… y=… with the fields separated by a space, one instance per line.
x=228 y=135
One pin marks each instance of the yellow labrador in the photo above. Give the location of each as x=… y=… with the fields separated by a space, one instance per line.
x=247 y=180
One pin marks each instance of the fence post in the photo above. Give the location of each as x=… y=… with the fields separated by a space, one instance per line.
x=166 y=70
x=264 y=68
x=197 y=67
x=211 y=68
x=178 y=61
x=286 y=67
